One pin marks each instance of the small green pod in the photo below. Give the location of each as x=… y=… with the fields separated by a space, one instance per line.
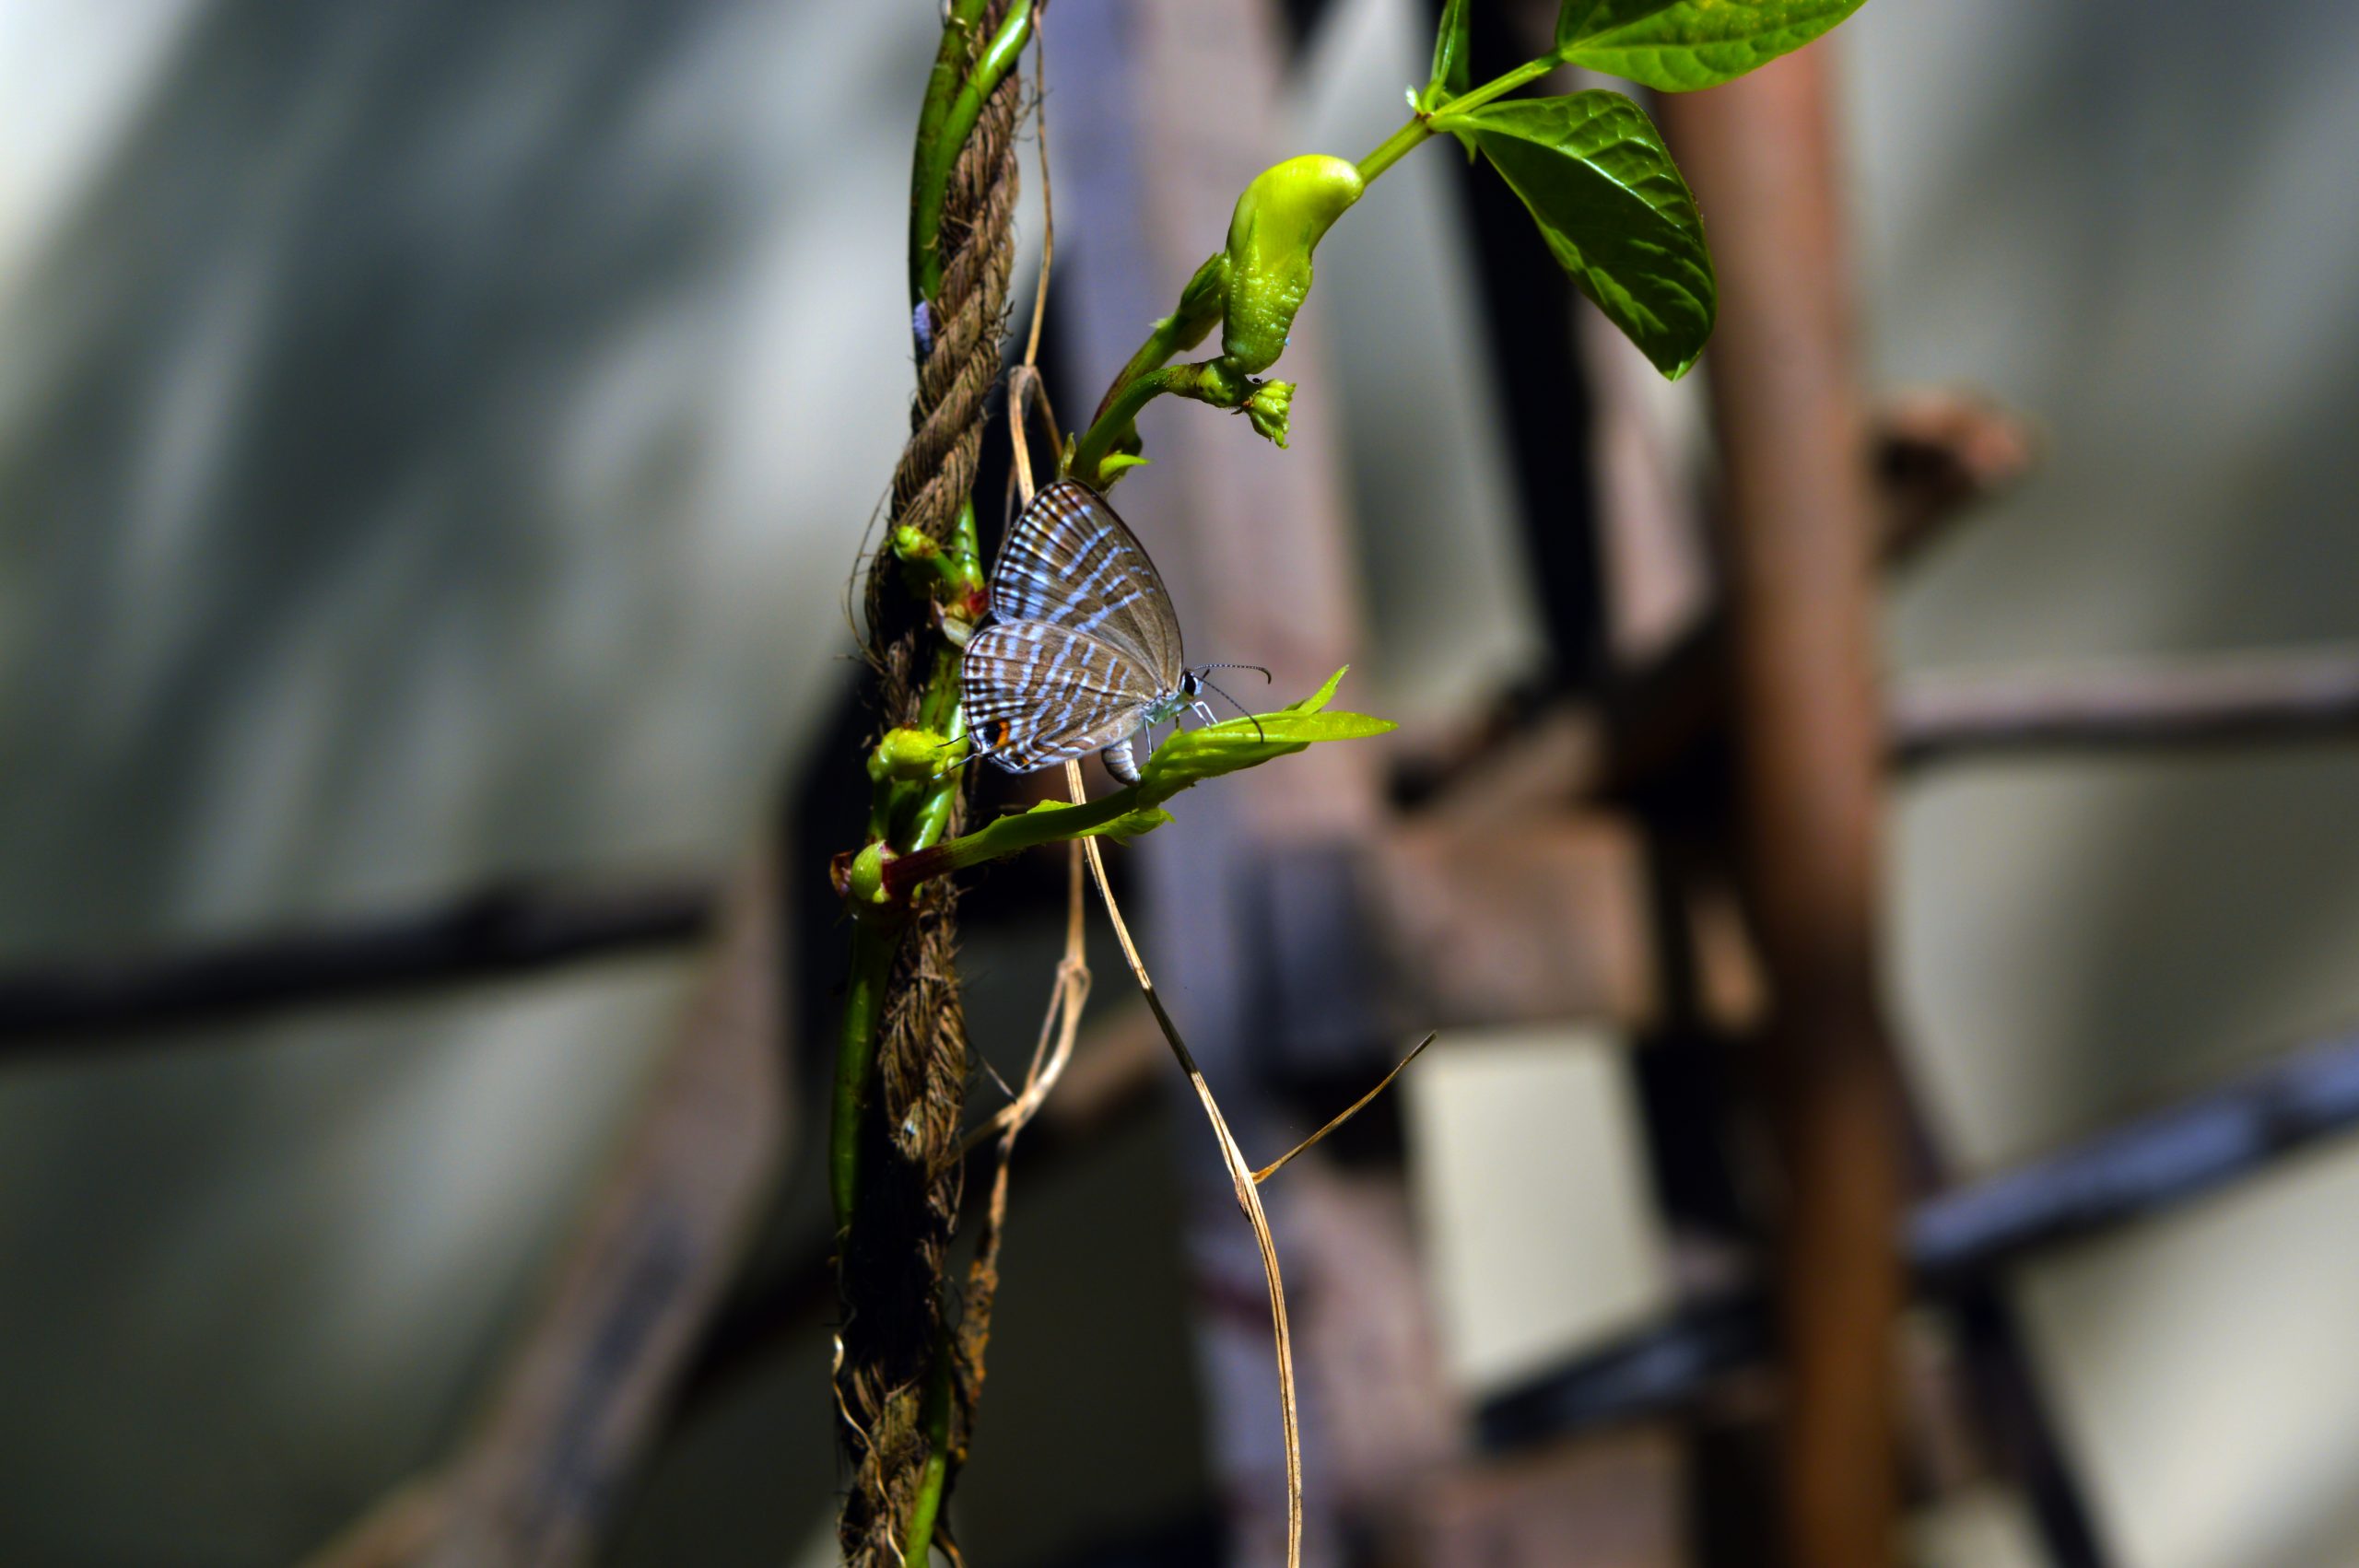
x=1279 y=221
x=865 y=881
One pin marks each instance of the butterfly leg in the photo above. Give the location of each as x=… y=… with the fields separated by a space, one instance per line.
x=1120 y=762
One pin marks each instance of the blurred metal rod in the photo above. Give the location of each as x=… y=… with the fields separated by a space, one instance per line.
x=1935 y=457
x=2311 y=695
x=1660 y=1369
x=2152 y=1163
x=497 y=933
x=1954 y=1243
x=1801 y=543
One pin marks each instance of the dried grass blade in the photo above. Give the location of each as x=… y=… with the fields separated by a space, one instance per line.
x=1248 y=1198
x=1274 y=1166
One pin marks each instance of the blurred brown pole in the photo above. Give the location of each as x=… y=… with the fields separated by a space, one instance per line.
x=1762 y=155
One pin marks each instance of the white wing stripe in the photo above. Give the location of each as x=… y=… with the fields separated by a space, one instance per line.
x=1071 y=567
x=1091 y=622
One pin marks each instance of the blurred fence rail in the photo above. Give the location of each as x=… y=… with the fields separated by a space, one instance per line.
x=493 y=933
x=1959 y=1238
x=514 y=930
x=2226 y=700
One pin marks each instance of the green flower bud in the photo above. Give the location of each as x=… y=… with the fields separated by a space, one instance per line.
x=1267 y=409
x=951 y=578
x=909 y=754
x=865 y=882
x=1278 y=222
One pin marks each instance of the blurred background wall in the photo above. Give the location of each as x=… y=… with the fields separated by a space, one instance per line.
x=433 y=442
x=2129 y=224
x=433 y=439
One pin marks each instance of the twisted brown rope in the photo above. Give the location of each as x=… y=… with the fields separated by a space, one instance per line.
x=895 y=1323
x=936 y=472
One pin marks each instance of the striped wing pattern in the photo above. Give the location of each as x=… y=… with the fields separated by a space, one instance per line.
x=1083 y=645
x=1072 y=561
x=1038 y=693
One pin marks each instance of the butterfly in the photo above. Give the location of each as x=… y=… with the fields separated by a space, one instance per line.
x=1082 y=652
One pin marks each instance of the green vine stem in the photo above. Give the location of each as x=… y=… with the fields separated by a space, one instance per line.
x=917 y=1548
x=1199 y=312
x=1100 y=455
x=951 y=106
x=1419 y=127
x=874 y=944
x=941 y=710
x=912 y=813
x=909 y=816
x=927 y=183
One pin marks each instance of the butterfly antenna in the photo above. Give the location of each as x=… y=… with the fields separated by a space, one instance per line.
x=1232 y=702
x=1263 y=673
x=973 y=751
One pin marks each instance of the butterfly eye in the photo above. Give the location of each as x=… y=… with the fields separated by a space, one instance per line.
x=1189 y=683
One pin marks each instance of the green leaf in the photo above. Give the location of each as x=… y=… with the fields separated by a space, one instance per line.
x=1194 y=755
x=1322 y=696
x=1679 y=45
x=1453 y=50
x=1191 y=756
x=1120 y=816
x=1129 y=824
x=1594 y=174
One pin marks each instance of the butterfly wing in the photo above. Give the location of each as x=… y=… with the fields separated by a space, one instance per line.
x=1038 y=693
x=1071 y=562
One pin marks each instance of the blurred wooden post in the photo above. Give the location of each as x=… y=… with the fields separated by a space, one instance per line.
x=1159 y=115
x=1761 y=155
